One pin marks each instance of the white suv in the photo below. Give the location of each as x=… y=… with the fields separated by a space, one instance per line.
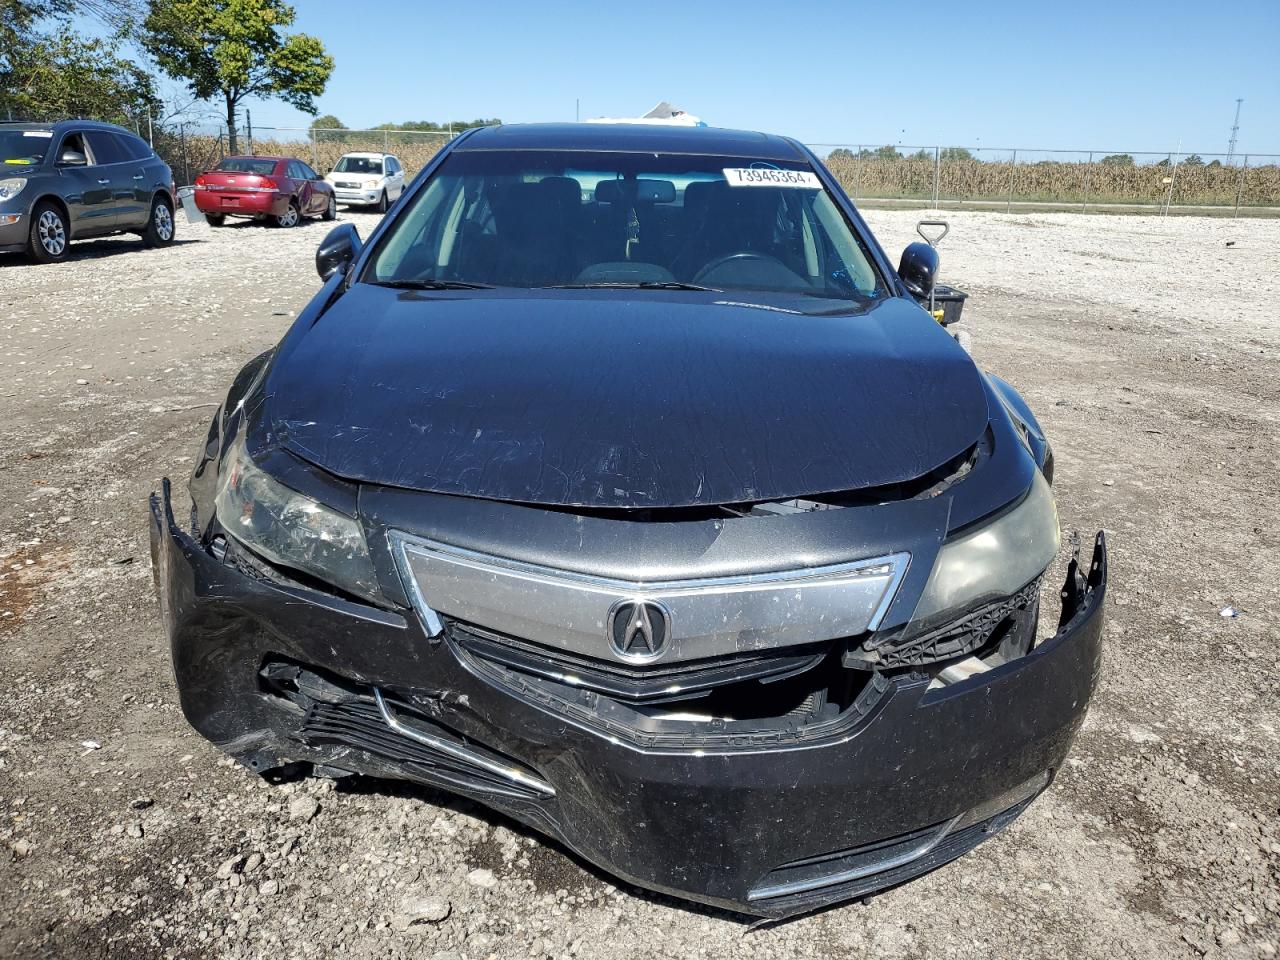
x=367 y=178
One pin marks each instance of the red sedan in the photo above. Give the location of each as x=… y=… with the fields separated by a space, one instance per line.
x=281 y=189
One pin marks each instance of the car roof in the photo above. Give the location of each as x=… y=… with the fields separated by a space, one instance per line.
x=253 y=156
x=366 y=153
x=60 y=125
x=633 y=137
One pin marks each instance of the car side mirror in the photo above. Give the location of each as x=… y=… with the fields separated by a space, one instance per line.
x=337 y=251
x=73 y=158
x=919 y=269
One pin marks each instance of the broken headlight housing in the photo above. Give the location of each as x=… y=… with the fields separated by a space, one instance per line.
x=290 y=529
x=994 y=560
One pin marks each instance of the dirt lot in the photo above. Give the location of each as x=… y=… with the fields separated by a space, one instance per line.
x=1149 y=348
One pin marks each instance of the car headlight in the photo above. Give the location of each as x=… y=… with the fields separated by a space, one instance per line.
x=290 y=529
x=11 y=187
x=995 y=560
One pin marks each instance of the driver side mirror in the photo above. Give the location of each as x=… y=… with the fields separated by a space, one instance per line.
x=337 y=251
x=73 y=158
x=919 y=269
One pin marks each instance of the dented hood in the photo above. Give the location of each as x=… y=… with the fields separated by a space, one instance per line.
x=614 y=399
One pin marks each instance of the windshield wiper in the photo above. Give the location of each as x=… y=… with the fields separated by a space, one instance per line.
x=432 y=284
x=634 y=285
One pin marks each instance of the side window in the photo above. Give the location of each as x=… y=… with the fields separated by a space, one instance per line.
x=393 y=166
x=73 y=141
x=294 y=170
x=311 y=174
x=104 y=147
x=134 y=147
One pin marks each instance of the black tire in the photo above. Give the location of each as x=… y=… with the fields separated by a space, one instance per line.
x=50 y=234
x=161 y=227
x=290 y=218
x=215 y=219
x=382 y=202
x=331 y=211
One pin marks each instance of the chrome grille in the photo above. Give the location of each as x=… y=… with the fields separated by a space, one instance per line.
x=708 y=617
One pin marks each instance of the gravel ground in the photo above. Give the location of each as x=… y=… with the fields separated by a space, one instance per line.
x=1149 y=348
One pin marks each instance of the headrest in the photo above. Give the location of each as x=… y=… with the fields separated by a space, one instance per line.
x=697 y=195
x=564 y=189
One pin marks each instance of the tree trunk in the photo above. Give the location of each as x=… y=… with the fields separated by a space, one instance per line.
x=233 y=145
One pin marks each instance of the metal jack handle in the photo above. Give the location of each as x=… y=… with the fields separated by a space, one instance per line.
x=932 y=241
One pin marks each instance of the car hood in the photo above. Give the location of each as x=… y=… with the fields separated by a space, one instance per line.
x=618 y=400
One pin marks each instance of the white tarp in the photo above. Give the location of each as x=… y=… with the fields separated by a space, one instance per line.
x=663 y=114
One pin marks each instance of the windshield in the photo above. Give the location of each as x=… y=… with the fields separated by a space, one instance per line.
x=247 y=165
x=24 y=147
x=359 y=165
x=593 y=219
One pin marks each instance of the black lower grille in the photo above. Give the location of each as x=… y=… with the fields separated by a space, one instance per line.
x=338 y=713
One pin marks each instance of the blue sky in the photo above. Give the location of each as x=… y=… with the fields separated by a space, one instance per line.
x=1117 y=75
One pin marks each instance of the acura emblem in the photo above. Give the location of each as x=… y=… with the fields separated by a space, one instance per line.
x=639 y=630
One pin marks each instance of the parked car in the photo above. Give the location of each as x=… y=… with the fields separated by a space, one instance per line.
x=367 y=178
x=281 y=190
x=79 y=179
x=619 y=482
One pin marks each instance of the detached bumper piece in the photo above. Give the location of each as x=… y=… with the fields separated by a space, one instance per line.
x=769 y=783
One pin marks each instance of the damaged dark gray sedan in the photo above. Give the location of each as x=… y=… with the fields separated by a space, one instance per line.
x=620 y=483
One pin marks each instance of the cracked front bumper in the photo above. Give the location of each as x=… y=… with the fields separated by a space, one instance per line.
x=923 y=776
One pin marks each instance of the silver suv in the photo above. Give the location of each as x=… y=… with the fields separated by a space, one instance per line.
x=78 y=179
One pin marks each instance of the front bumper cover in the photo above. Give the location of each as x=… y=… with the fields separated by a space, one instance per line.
x=923 y=776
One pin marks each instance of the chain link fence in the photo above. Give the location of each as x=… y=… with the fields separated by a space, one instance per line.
x=1012 y=179
x=935 y=177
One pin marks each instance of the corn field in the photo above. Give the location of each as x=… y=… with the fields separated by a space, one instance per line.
x=189 y=154
x=924 y=176
x=870 y=175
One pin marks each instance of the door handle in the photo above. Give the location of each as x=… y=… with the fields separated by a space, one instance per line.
x=139 y=177
x=104 y=181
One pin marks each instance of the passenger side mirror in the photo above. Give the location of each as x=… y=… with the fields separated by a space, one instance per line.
x=73 y=158
x=919 y=269
x=337 y=251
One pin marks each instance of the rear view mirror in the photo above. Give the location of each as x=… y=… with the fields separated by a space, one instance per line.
x=919 y=269
x=73 y=158
x=337 y=251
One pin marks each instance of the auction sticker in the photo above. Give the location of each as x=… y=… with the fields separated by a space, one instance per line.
x=770 y=177
x=42 y=134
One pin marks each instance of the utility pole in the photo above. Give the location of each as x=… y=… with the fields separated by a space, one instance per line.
x=1235 y=132
x=577 y=110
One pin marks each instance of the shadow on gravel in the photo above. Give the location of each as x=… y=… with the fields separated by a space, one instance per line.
x=559 y=868
x=87 y=249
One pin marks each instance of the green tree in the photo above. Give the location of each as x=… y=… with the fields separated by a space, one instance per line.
x=327 y=122
x=922 y=154
x=431 y=126
x=956 y=153
x=1195 y=160
x=880 y=153
x=235 y=49
x=1118 y=160
x=63 y=74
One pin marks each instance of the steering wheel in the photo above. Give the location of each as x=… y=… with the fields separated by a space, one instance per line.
x=737 y=255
